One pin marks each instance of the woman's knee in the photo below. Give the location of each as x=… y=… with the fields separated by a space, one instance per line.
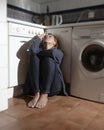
x=49 y=60
x=48 y=64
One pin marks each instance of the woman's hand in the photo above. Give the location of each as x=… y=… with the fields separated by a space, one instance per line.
x=42 y=36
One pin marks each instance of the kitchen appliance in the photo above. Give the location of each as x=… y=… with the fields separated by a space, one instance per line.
x=57 y=19
x=19 y=42
x=87 y=76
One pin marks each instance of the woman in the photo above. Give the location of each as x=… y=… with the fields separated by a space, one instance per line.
x=44 y=76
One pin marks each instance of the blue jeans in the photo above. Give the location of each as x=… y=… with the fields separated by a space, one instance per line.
x=43 y=76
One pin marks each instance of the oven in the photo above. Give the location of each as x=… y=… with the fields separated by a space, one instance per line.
x=19 y=42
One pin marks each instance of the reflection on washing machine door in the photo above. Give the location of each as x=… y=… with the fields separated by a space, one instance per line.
x=93 y=58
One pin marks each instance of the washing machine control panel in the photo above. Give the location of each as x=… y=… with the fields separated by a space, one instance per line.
x=87 y=33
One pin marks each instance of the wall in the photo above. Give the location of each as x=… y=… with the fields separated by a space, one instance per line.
x=3 y=56
x=69 y=4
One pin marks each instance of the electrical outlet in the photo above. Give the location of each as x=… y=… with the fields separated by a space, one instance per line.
x=91 y=14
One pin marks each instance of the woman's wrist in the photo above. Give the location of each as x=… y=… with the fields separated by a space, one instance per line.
x=41 y=36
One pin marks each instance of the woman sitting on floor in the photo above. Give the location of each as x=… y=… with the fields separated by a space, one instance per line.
x=44 y=75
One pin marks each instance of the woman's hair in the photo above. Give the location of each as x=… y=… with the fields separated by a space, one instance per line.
x=55 y=39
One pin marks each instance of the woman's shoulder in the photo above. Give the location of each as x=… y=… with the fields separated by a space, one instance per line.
x=57 y=50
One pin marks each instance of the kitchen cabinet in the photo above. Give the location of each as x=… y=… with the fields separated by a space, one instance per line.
x=60 y=5
x=39 y=6
x=19 y=40
x=64 y=37
x=29 y=5
x=17 y=60
x=20 y=36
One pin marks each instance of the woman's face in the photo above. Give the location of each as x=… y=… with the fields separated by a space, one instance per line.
x=49 y=41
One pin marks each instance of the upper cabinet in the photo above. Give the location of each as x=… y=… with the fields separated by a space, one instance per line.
x=39 y=6
x=72 y=11
x=59 y=5
x=29 y=5
x=43 y=1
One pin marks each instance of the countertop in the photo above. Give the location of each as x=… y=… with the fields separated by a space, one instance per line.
x=24 y=23
x=78 y=24
x=57 y=26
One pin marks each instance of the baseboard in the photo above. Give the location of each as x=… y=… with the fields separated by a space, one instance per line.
x=14 y=91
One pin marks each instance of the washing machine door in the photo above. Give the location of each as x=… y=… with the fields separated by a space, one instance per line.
x=92 y=59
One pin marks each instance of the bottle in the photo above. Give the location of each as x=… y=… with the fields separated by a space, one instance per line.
x=47 y=18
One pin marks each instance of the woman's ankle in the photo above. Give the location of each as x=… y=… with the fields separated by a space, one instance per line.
x=44 y=94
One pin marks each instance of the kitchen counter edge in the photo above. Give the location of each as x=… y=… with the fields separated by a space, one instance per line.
x=92 y=23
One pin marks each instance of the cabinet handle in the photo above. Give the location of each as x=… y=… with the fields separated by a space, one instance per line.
x=85 y=37
x=23 y=41
x=65 y=31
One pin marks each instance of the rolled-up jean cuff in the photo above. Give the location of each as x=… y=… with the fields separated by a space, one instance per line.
x=50 y=93
x=36 y=91
x=45 y=92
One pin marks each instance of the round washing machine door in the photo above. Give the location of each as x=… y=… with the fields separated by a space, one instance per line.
x=92 y=59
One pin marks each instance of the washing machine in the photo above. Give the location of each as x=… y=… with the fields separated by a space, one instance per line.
x=87 y=69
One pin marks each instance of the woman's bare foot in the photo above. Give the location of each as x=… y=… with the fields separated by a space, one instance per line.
x=33 y=102
x=42 y=101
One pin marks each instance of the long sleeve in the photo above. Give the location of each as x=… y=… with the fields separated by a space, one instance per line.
x=58 y=55
x=34 y=48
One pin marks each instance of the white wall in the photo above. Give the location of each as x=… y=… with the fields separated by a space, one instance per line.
x=25 y=4
x=69 y=4
x=3 y=56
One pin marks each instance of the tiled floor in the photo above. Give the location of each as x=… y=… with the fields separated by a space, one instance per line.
x=61 y=113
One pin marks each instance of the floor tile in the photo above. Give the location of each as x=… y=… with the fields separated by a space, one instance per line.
x=61 y=112
x=63 y=125
x=19 y=111
x=97 y=123
x=5 y=119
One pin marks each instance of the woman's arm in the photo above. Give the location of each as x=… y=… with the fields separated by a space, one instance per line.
x=36 y=41
x=34 y=48
x=56 y=54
